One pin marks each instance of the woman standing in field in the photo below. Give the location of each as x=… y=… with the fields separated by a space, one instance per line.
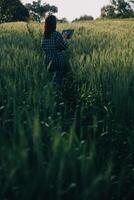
x=53 y=44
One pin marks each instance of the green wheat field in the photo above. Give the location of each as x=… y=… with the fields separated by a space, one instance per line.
x=74 y=142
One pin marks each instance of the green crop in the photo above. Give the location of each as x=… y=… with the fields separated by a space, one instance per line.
x=75 y=141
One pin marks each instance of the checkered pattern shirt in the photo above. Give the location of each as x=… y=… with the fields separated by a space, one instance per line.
x=53 y=50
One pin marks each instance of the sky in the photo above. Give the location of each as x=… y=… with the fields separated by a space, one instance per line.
x=72 y=9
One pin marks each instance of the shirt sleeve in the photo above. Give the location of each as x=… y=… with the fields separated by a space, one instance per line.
x=61 y=44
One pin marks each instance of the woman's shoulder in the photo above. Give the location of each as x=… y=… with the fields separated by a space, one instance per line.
x=57 y=33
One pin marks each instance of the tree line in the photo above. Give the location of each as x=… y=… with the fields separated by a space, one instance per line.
x=14 y=10
x=118 y=9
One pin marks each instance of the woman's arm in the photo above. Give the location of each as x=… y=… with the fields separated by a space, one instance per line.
x=61 y=43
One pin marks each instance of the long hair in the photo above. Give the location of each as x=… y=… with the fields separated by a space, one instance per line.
x=50 y=26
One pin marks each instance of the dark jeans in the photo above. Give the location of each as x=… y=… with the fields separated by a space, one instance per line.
x=57 y=73
x=57 y=77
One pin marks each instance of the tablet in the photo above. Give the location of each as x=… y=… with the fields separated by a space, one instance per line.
x=69 y=33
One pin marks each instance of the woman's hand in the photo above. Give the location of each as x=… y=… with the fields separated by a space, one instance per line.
x=65 y=35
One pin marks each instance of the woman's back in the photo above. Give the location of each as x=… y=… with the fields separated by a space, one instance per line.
x=54 y=43
x=53 y=48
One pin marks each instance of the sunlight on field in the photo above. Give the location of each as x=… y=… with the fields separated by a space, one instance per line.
x=76 y=143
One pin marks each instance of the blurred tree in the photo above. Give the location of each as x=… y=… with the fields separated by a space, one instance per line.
x=84 y=18
x=41 y=9
x=123 y=8
x=108 y=11
x=63 y=20
x=12 y=10
x=103 y=12
x=118 y=9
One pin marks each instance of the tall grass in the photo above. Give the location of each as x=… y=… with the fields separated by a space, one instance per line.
x=74 y=142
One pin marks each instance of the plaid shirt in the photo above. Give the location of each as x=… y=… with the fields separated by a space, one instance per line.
x=53 y=50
